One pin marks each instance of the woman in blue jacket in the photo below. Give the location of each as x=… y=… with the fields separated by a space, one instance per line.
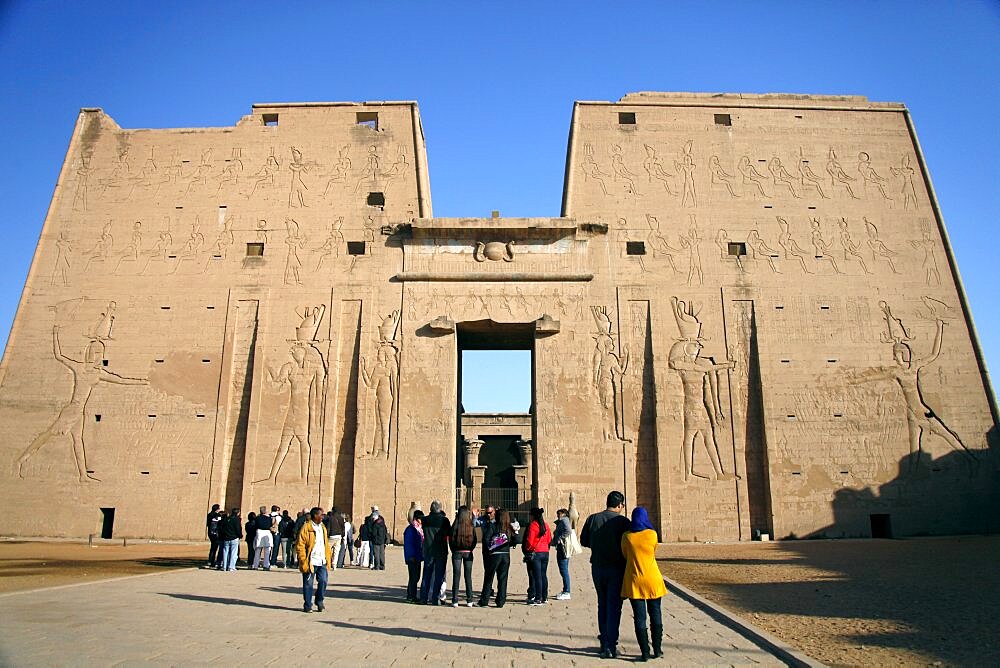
x=413 y=554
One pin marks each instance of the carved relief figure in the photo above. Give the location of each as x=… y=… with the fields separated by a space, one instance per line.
x=381 y=378
x=192 y=245
x=837 y=173
x=398 y=168
x=927 y=244
x=225 y=240
x=131 y=252
x=341 y=169
x=720 y=176
x=609 y=369
x=494 y=250
x=331 y=246
x=686 y=167
x=371 y=169
x=761 y=249
x=808 y=178
x=305 y=376
x=692 y=243
x=311 y=319
x=790 y=247
x=870 y=176
x=851 y=248
x=265 y=175
x=699 y=376
x=591 y=170
x=620 y=171
x=878 y=247
x=64 y=254
x=920 y=418
x=82 y=180
x=160 y=249
x=87 y=374
x=201 y=172
x=658 y=243
x=820 y=247
x=101 y=331
x=654 y=169
x=780 y=175
x=905 y=172
x=751 y=175
x=297 y=193
x=101 y=251
x=294 y=241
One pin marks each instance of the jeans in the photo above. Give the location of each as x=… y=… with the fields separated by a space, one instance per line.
x=639 y=609
x=498 y=565
x=378 y=557
x=430 y=588
x=336 y=545
x=347 y=549
x=608 y=584
x=288 y=547
x=538 y=576
x=319 y=574
x=461 y=561
x=274 y=549
x=564 y=572
x=230 y=551
x=413 y=570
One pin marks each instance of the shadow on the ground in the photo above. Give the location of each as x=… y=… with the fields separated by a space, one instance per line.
x=365 y=592
x=172 y=562
x=228 y=601
x=397 y=631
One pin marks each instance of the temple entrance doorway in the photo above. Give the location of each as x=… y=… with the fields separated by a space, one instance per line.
x=494 y=453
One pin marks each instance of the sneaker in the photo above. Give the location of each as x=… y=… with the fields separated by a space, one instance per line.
x=307 y=609
x=481 y=604
x=564 y=596
x=470 y=604
x=530 y=601
x=536 y=603
x=455 y=604
x=320 y=607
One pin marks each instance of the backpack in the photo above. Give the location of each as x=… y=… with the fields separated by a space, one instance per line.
x=213 y=526
x=264 y=522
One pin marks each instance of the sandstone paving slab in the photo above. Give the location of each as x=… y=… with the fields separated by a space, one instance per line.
x=197 y=617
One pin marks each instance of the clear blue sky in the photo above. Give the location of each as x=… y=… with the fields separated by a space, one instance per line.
x=496 y=83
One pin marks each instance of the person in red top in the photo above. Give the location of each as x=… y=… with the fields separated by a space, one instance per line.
x=536 y=556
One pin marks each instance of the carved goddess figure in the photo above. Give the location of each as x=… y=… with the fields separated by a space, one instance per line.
x=692 y=243
x=609 y=369
x=654 y=169
x=851 y=248
x=790 y=246
x=658 y=243
x=762 y=250
x=878 y=247
x=102 y=249
x=720 y=176
x=70 y=421
x=294 y=241
x=297 y=194
x=382 y=379
x=780 y=175
x=620 y=171
x=870 y=176
x=686 y=167
x=820 y=247
x=64 y=251
x=837 y=173
x=131 y=252
x=591 y=170
x=331 y=246
x=305 y=376
x=927 y=244
x=265 y=175
x=750 y=174
x=808 y=178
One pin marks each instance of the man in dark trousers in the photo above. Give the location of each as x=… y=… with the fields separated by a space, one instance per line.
x=378 y=535
x=437 y=529
x=212 y=525
x=334 y=522
x=602 y=533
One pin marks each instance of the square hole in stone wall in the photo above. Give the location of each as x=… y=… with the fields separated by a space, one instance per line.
x=255 y=248
x=355 y=247
x=626 y=118
x=723 y=119
x=635 y=247
x=369 y=119
x=737 y=248
x=376 y=199
x=270 y=120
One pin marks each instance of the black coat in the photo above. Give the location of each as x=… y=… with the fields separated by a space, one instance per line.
x=230 y=528
x=377 y=532
x=437 y=529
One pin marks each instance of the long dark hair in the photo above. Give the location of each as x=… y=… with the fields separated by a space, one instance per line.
x=537 y=516
x=463 y=528
x=504 y=522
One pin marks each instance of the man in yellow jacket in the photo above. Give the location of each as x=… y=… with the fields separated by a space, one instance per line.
x=313 y=550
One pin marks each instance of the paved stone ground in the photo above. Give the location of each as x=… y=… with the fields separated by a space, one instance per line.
x=203 y=616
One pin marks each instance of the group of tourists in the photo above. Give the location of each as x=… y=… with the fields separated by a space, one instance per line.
x=623 y=564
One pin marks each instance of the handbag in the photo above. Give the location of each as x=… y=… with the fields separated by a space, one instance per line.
x=571 y=545
x=498 y=541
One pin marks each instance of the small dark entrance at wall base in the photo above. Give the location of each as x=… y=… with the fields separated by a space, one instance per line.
x=881 y=525
x=108 y=524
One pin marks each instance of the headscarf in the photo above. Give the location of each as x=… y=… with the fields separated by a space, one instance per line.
x=640 y=519
x=418 y=525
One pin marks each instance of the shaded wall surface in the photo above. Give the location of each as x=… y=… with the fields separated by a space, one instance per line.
x=747 y=319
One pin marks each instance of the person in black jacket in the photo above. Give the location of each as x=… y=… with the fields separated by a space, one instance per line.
x=378 y=535
x=437 y=530
x=251 y=536
x=602 y=533
x=230 y=533
x=498 y=538
x=334 y=522
x=212 y=525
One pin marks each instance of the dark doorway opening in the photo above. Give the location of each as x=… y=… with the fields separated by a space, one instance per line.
x=108 y=523
x=881 y=525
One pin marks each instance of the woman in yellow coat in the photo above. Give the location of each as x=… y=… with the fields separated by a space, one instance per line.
x=643 y=584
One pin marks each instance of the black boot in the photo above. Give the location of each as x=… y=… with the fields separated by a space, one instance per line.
x=643 y=640
x=657 y=633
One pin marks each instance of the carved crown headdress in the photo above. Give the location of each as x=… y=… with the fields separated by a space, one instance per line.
x=687 y=320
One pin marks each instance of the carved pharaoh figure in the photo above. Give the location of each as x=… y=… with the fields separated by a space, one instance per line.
x=381 y=378
x=609 y=369
x=87 y=375
x=906 y=173
x=297 y=193
x=702 y=405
